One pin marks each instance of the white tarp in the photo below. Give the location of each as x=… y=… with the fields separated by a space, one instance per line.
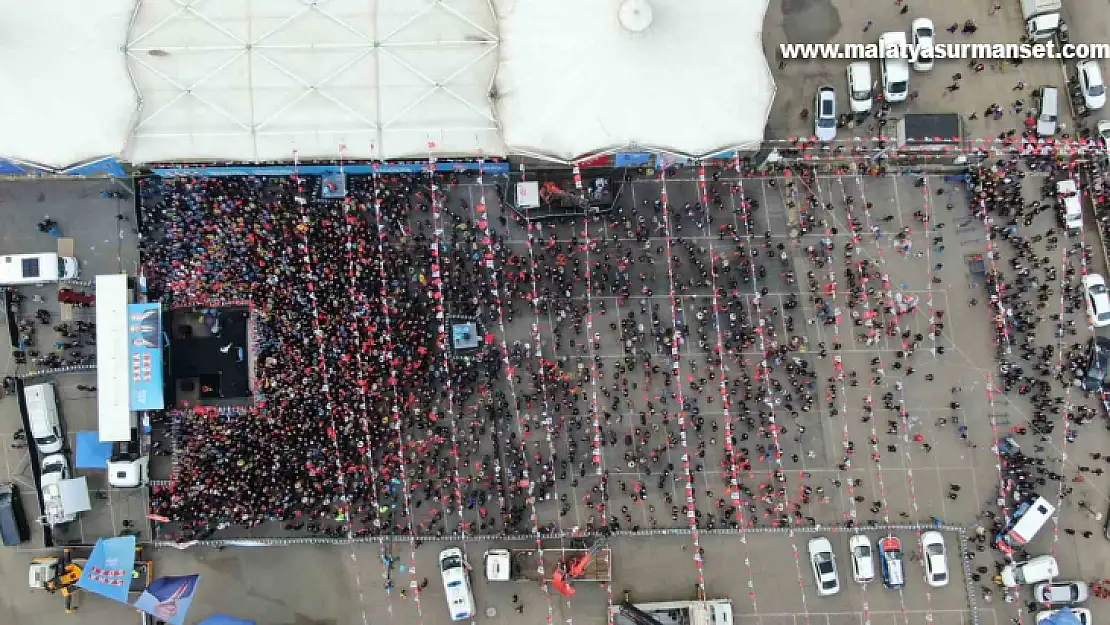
x=113 y=369
x=528 y=194
x=254 y=80
x=67 y=96
x=574 y=80
x=75 y=495
x=274 y=80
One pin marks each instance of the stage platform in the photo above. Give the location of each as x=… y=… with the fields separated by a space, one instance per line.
x=210 y=355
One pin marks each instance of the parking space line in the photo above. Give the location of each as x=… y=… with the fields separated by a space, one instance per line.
x=855 y=612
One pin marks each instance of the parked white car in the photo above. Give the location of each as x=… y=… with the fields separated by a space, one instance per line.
x=934 y=555
x=924 y=38
x=863 y=559
x=1098 y=299
x=896 y=69
x=1091 y=84
x=1104 y=132
x=823 y=560
x=859 y=87
x=56 y=466
x=824 y=120
x=1031 y=571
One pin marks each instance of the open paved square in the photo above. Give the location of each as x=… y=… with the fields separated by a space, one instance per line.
x=662 y=344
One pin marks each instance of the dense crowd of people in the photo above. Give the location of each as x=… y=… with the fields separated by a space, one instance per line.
x=619 y=364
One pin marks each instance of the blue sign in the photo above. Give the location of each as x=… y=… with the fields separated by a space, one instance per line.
x=101 y=167
x=633 y=159
x=320 y=170
x=168 y=598
x=109 y=568
x=144 y=344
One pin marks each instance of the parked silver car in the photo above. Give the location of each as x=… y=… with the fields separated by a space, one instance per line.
x=1061 y=593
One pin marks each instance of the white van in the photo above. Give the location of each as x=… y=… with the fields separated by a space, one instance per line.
x=37 y=268
x=1048 y=112
x=1031 y=517
x=42 y=414
x=1039 y=569
x=896 y=68
x=1068 y=195
x=456 y=584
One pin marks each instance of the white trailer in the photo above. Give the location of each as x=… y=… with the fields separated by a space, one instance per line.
x=709 y=612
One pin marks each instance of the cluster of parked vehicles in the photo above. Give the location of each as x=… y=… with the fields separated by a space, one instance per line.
x=887 y=553
x=895 y=78
x=1040 y=572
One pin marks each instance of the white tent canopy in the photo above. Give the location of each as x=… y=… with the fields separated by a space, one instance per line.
x=582 y=76
x=254 y=80
x=272 y=80
x=67 y=97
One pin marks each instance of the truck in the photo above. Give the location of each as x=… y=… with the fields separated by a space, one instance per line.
x=63 y=498
x=523 y=565
x=60 y=573
x=702 y=612
x=16 y=269
x=1042 y=18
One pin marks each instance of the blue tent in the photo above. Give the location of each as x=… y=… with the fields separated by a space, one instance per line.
x=91 y=453
x=223 y=619
x=1062 y=617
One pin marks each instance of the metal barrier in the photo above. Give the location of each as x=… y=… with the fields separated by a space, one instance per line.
x=57 y=371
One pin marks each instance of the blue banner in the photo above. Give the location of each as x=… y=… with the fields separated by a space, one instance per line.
x=223 y=619
x=101 y=167
x=144 y=342
x=633 y=159
x=320 y=170
x=8 y=168
x=109 y=568
x=168 y=598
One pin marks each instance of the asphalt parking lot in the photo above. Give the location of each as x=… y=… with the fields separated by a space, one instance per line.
x=911 y=482
x=758 y=573
x=839 y=21
x=753 y=568
x=102 y=244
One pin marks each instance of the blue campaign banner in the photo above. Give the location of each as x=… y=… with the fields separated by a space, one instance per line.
x=109 y=568
x=168 y=598
x=144 y=342
x=633 y=159
x=320 y=170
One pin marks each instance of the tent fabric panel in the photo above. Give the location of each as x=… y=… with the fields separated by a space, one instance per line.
x=67 y=95
x=648 y=92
